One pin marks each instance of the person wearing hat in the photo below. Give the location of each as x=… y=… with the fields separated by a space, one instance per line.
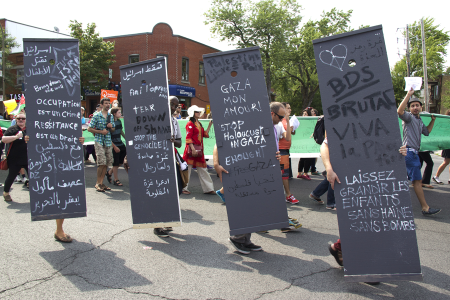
x=413 y=127
x=196 y=159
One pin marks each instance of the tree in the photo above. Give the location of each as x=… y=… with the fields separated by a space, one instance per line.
x=95 y=56
x=297 y=81
x=268 y=24
x=436 y=42
x=10 y=77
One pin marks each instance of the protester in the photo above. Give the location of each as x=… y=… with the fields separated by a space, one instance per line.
x=119 y=150
x=425 y=156
x=101 y=127
x=114 y=104
x=17 y=156
x=98 y=108
x=59 y=235
x=413 y=127
x=194 y=136
x=314 y=113
x=176 y=141
x=446 y=155
x=304 y=164
x=177 y=113
x=285 y=145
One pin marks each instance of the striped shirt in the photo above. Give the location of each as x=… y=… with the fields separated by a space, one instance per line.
x=413 y=127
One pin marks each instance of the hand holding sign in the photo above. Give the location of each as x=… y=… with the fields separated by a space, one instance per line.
x=413 y=82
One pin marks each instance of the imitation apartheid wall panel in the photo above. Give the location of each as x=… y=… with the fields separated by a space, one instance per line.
x=246 y=141
x=55 y=156
x=153 y=180
x=376 y=222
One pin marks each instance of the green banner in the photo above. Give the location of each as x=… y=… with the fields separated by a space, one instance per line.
x=303 y=145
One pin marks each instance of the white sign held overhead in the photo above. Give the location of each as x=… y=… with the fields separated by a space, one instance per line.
x=413 y=82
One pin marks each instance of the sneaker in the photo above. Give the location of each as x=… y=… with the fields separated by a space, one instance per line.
x=209 y=167
x=168 y=229
x=222 y=197
x=331 y=207
x=315 y=173
x=287 y=229
x=316 y=199
x=291 y=199
x=337 y=255
x=296 y=225
x=304 y=176
x=239 y=247
x=436 y=179
x=431 y=211
x=18 y=179
x=160 y=232
x=253 y=247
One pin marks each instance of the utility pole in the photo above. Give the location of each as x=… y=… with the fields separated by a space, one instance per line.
x=425 y=75
x=408 y=61
x=3 y=63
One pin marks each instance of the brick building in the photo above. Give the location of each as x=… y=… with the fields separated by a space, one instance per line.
x=184 y=62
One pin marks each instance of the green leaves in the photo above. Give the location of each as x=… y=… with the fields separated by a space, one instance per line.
x=10 y=42
x=95 y=56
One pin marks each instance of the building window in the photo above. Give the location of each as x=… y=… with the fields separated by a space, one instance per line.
x=201 y=73
x=20 y=76
x=185 y=69
x=133 y=58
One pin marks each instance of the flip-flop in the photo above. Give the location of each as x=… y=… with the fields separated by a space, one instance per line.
x=428 y=186
x=185 y=192
x=64 y=239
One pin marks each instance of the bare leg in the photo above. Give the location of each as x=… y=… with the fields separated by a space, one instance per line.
x=222 y=190
x=59 y=228
x=101 y=171
x=442 y=166
x=286 y=187
x=115 y=172
x=420 y=195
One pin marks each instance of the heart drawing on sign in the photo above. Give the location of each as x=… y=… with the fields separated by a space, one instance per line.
x=334 y=57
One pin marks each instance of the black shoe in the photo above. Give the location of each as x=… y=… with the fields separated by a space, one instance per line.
x=431 y=211
x=253 y=247
x=239 y=247
x=373 y=283
x=160 y=232
x=168 y=228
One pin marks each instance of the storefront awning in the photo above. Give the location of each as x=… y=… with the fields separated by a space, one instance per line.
x=182 y=91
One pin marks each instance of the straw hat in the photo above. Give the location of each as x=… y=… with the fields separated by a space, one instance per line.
x=194 y=108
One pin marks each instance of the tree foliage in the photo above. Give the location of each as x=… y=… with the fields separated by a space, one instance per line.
x=297 y=81
x=95 y=56
x=268 y=24
x=10 y=77
x=436 y=42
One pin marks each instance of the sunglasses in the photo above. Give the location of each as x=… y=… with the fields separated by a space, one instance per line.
x=21 y=119
x=281 y=117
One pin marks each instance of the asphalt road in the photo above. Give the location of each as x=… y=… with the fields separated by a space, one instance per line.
x=110 y=260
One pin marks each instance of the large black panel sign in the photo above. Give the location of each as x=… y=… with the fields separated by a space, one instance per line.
x=55 y=156
x=246 y=141
x=153 y=180
x=376 y=222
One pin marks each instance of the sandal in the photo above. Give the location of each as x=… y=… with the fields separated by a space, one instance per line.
x=185 y=192
x=117 y=182
x=428 y=186
x=64 y=239
x=99 y=188
x=106 y=188
x=108 y=176
x=337 y=256
x=26 y=184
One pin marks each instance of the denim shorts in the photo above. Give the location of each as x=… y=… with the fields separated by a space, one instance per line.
x=413 y=166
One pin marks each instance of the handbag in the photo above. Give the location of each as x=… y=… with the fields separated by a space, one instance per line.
x=198 y=148
x=182 y=168
x=4 y=162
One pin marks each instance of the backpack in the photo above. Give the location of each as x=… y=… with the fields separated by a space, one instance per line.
x=319 y=131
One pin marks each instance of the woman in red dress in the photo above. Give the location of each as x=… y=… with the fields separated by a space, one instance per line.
x=194 y=136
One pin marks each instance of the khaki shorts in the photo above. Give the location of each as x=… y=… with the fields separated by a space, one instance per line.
x=104 y=155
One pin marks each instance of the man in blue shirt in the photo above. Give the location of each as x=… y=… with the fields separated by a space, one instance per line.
x=101 y=126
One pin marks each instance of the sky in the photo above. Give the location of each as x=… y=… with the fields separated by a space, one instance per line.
x=116 y=18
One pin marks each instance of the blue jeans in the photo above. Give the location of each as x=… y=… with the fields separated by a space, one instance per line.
x=322 y=188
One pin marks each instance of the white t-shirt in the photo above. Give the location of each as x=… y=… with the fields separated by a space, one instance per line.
x=176 y=128
x=280 y=130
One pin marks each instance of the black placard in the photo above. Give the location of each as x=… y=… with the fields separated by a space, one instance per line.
x=152 y=174
x=55 y=156
x=376 y=222
x=246 y=141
